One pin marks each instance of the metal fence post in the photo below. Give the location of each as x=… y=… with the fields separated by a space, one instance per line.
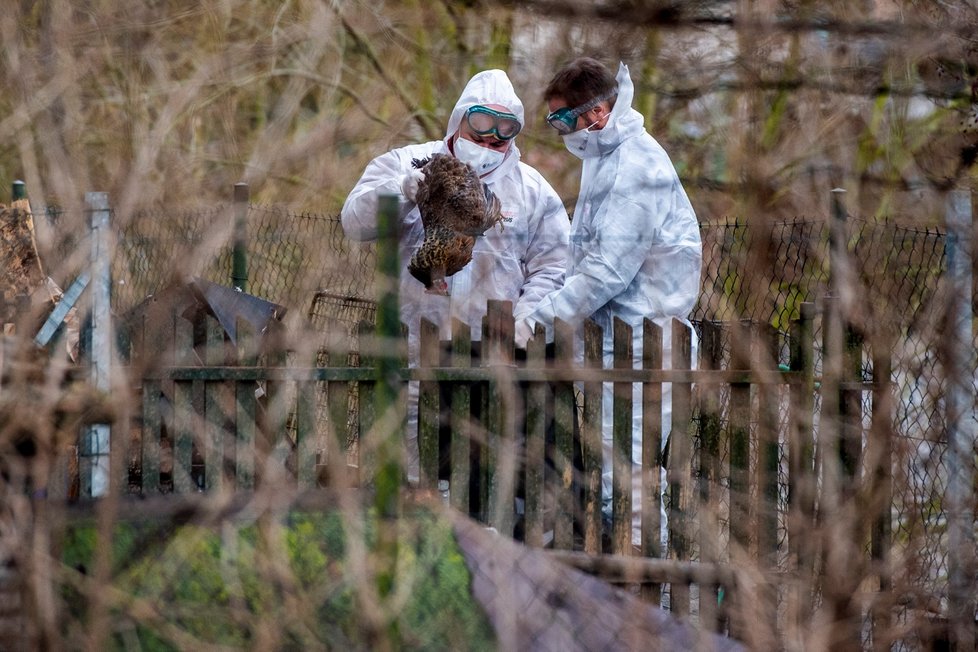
x=94 y=452
x=387 y=401
x=239 y=255
x=388 y=378
x=960 y=423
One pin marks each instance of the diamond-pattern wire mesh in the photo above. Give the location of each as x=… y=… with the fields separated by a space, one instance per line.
x=897 y=276
x=759 y=271
x=290 y=256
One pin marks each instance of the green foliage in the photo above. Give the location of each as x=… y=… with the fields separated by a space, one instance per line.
x=233 y=586
x=436 y=619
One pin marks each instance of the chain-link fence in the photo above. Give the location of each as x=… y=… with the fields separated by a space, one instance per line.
x=759 y=271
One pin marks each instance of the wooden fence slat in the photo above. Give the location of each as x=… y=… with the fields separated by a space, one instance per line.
x=366 y=389
x=480 y=412
x=338 y=410
x=428 y=406
x=621 y=486
x=497 y=343
x=680 y=459
x=739 y=435
x=245 y=409
x=801 y=459
x=651 y=455
x=767 y=471
x=880 y=457
x=150 y=437
x=711 y=353
x=305 y=435
x=536 y=425
x=184 y=404
x=274 y=410
x=214 y=413
x=461 y=420
x=591 y=439
x=564 y=408
x=851 y=410
x=768 y=450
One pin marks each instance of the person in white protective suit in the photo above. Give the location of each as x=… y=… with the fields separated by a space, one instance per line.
x=635 y=243
x=521 y=262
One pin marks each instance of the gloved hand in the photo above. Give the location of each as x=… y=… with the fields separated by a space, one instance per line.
x=523 y=332
x=409 y=184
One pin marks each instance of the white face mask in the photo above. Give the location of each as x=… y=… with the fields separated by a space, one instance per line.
x=576 y=142
x=483 y=159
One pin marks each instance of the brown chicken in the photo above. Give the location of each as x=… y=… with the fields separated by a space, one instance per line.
x=456 y=207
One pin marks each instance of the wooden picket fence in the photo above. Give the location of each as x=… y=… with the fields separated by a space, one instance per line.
x=215 y=413
x=517 y=434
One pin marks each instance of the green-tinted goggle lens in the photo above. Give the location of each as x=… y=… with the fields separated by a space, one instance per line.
x=484 y=121
x=564 y=119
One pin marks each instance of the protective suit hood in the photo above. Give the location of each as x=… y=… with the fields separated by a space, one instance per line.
x=624 y=122
x=489 y=87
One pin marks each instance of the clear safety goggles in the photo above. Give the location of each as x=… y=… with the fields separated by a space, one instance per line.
x=564 y=119
x=484 y=121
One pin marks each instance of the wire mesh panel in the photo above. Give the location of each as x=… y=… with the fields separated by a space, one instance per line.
x=290 y=255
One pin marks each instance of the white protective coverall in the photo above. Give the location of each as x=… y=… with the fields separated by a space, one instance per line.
x=635 y=253
x=521 y=262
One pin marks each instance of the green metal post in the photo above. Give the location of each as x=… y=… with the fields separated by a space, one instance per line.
x=387 y=403
x=239 y=255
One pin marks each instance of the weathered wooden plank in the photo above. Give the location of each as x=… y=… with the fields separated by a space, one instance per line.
x=680 y=458
x=483 y=374
x=214 y=431
x=535 y=427
x=651 y=448
x=620 y=568
x=879 y=454
x=621 y=486
x=767 y=471
x=277 y=404
x=530 y=598
x=367 y=439
x=768 y=450
x=591 y=439
x=801 y=463
x=497 y=341
x=305 y=434
x=739 y=434
x=461 y=421
x=151 y=432
x=851 y=411
x=245 y=410
x=338 y=407
x=428 y=406
x=564 y=408
x=186 y=399
x=711 y=352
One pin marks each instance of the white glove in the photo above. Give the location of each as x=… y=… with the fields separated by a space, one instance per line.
x=409 y=183
x=523 y=332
